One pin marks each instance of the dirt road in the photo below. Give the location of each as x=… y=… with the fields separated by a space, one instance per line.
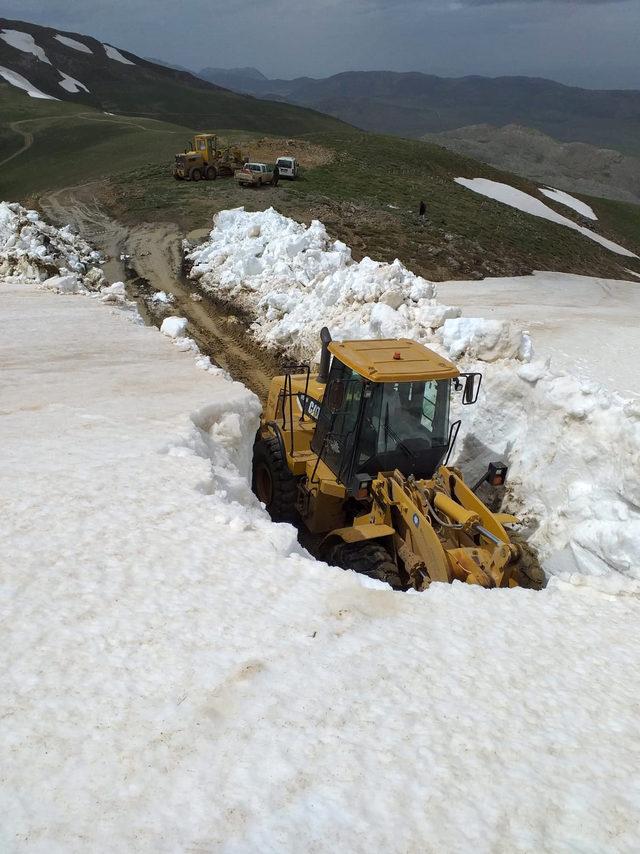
x=148 y=258
x=26 y=136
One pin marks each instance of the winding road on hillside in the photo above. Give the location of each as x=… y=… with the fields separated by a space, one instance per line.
x=28 y=136
x=27 y=140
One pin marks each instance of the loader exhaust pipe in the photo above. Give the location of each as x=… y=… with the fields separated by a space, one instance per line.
x=325 y=358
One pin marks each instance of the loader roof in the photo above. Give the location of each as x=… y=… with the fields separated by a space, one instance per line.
x=393 y=360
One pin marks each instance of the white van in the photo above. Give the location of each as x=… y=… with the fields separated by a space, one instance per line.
x=287 y=167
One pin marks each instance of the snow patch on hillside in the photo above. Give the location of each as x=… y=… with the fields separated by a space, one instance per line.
x=114 y=53
x=573 y=447
x=71 y=84
x=21 y=82
x=569 y=201
x=528 y=204
x=24 y=42
x=76 y=45
x=33 y=251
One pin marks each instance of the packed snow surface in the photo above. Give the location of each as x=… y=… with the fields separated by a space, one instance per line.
x=587 y=325
x=570 y=201
x=70 y=84
x=528 y=204
x=114 y=53
x=21 y=82
x=573 y=446
x=24 y=42
x=76 y=45
x=179 y=676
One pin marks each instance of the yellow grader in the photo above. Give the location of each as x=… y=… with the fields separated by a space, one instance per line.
x=204 y=158
x=358 y=453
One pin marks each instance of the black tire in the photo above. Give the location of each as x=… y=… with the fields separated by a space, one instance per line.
x=211 y=174
x=272 y=481
x=196 y=175
x=369 y=558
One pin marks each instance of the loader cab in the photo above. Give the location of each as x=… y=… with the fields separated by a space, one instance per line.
x=386 y=407
x=206 y=145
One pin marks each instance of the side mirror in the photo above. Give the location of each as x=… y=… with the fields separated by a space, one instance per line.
x=471 y=388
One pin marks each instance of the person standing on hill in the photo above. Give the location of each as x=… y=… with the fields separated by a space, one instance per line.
x=423 y=209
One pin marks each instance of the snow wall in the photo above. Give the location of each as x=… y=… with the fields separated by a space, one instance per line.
x=572 y=446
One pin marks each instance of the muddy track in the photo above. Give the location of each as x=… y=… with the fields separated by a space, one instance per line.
x=148 y=258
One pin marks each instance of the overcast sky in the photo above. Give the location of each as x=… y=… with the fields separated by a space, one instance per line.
x=585 y=42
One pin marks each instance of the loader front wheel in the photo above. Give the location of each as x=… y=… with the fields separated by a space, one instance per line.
x=273 y=483
x=211 y=174
x=369 y=558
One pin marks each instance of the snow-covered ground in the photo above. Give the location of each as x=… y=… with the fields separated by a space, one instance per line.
x=572 y=445
x=569 y=201
x=114 y=53
x=587 y=325
x=71 y=84
x=73 y=43
x=24 y=42
x=179 y=676
x=528 y=204
x=21 y=82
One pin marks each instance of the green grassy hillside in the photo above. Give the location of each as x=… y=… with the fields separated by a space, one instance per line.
x=72 y=144
x=140 y=87
x=365 y=187
x=368 y=195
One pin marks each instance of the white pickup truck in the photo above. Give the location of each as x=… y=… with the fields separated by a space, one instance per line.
x=255 y=174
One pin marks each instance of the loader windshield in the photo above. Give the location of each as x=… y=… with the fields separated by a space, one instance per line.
x=382 y=426
x=405 y=426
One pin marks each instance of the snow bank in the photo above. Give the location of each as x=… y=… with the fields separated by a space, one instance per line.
x=294 y=280
x=33 y=251
x=71 y=84
x=21 y=82
x=570 y=201
x=24 y=42
x=573 y=447
x=528 y=204
x=114 y=53
x=73 y=43
x=180 y=676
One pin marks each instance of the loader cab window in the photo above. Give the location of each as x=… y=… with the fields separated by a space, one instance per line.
x=405 y=426
x=337 y=425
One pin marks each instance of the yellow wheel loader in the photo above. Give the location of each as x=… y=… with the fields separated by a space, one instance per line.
x=358 y=454
x=203 y=158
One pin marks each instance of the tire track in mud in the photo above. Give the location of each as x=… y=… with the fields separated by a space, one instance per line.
x=148 y=258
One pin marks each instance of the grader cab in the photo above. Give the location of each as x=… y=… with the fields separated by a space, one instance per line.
x=205 y=158
x=358 y=454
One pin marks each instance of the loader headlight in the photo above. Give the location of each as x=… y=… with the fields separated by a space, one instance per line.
x=360 y=486
x=497 y=474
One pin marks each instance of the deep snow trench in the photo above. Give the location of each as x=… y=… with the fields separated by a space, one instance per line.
x=573 y=445
x=179 y=676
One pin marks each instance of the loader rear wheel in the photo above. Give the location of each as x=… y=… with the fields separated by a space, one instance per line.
x=195 y=175
x=369 y=558
x=273 y=483
x=211 y=174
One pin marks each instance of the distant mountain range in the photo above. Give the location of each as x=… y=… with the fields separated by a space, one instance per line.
x=80 y=69
x=413 y=104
